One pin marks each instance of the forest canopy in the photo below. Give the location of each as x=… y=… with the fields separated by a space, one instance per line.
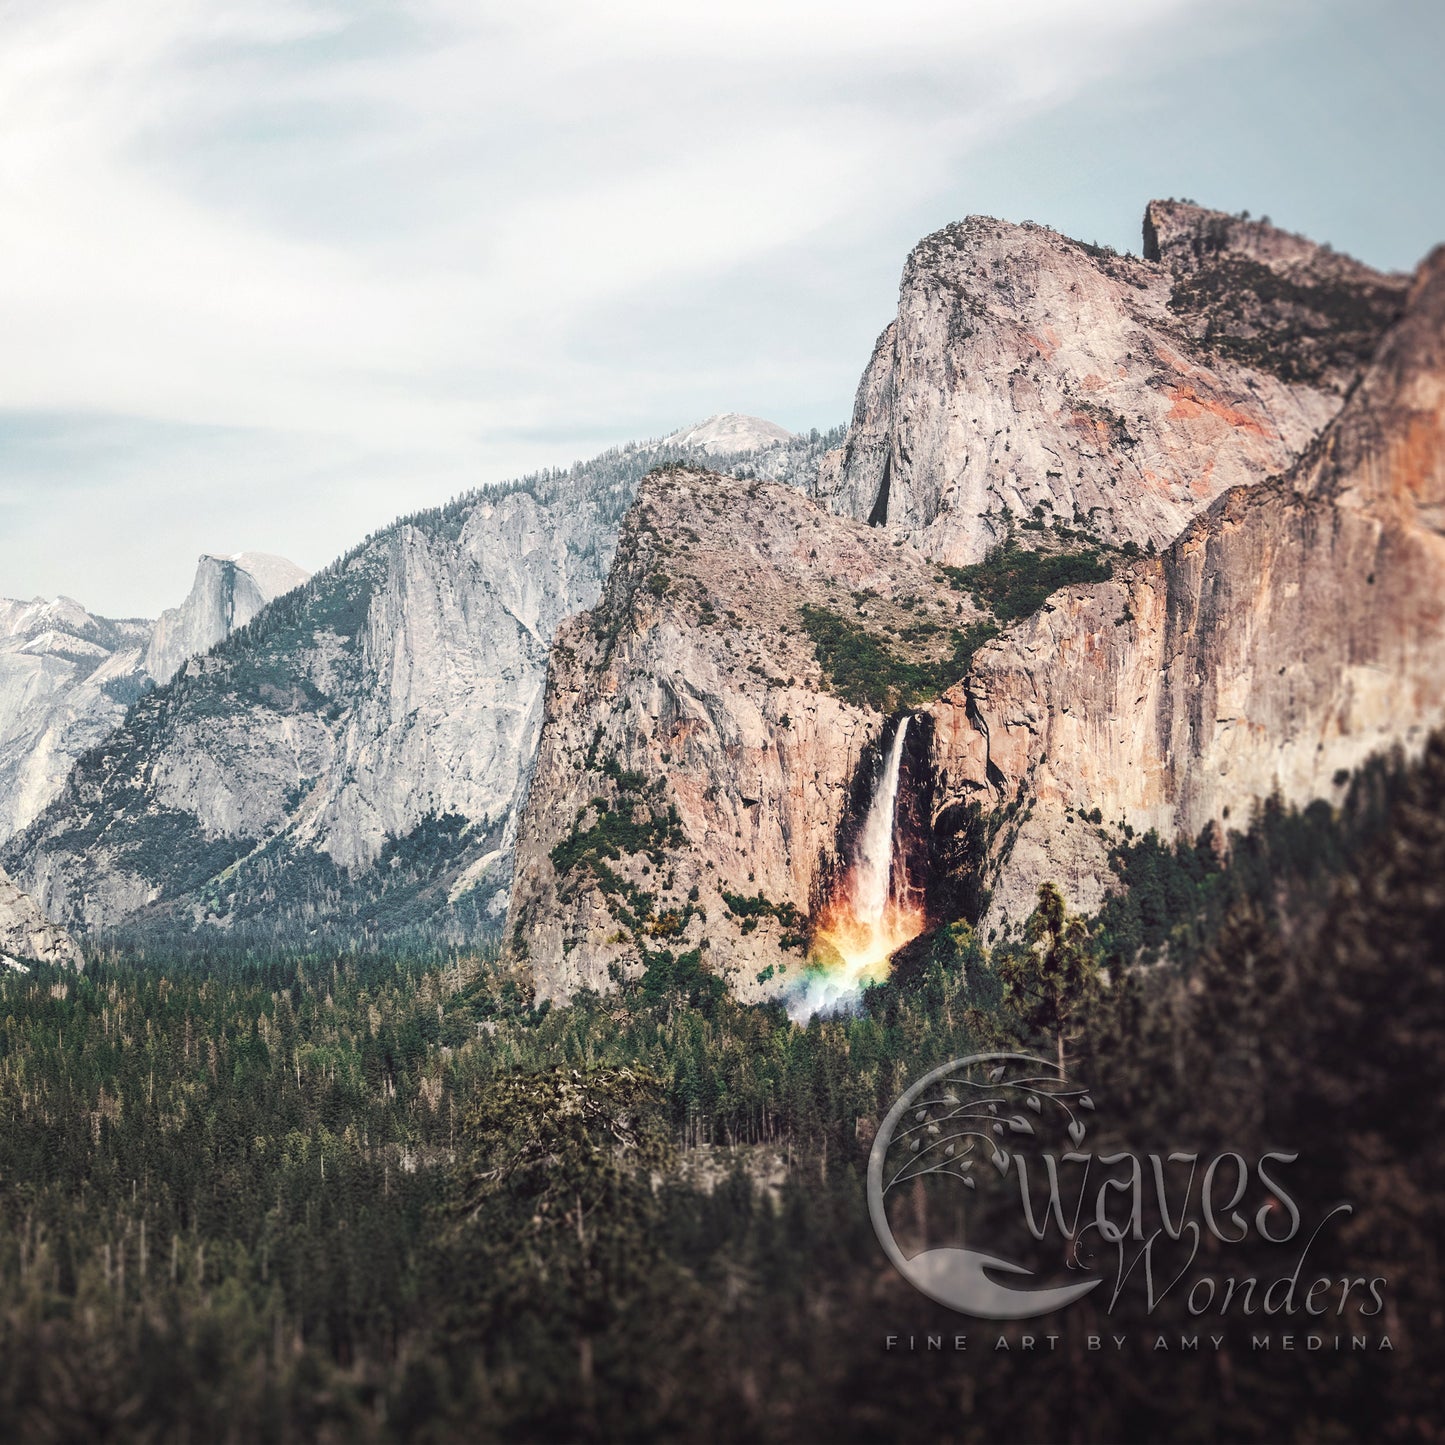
x=366 y=1198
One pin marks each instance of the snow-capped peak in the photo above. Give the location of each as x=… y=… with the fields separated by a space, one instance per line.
x=728 y=432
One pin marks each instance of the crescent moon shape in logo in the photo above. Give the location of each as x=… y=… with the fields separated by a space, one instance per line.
x=953 y=1276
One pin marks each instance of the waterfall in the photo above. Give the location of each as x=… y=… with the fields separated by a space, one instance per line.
x=869 y=916
x=873 y=861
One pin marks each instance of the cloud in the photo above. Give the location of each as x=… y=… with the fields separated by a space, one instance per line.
x=386 y=247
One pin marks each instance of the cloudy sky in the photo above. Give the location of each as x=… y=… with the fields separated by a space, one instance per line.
x=272 y=273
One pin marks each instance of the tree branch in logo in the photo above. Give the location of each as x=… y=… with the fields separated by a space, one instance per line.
x=968 y=1111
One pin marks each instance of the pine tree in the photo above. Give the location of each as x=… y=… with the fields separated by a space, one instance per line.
x=1048 y=983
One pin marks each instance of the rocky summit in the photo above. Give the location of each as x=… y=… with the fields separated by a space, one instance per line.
x=728 y=433
x=227 y=593
x=1028 y=375
x=1293 y=630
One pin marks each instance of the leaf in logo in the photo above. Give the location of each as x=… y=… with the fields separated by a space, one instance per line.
x=946 y=1135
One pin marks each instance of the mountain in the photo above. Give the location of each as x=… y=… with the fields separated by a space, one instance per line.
x=26 y=935
x=1008 y=689
x=690 y=748
x=66 y=679
x=352 y=759
x=1030 y=376
x=67 y=676
x=727 y=434
x=1293 y=630
x=1070 y=475
x=227 y=593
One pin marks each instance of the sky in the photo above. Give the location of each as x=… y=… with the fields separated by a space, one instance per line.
x=273 y=273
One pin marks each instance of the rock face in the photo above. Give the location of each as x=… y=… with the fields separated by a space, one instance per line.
x=227 y=593
x=67 y=677
x=354 y=757
x=689 y=749
x=701 y=755
x=27 y=936
x=1030 y=375
x=1293 y=630
x=359 y=756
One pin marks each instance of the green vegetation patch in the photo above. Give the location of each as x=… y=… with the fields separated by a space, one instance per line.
x=864 y=670
x=753 y=910
x=637 y=823
x=681 y=976
x=632 y=826
x=1014 y=583
x=1304 y=328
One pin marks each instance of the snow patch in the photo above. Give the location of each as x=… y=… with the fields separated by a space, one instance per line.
x=728 y=432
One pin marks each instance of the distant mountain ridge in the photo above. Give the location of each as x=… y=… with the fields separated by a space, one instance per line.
x=352 y=758
x=68 y=676
x=727 y=434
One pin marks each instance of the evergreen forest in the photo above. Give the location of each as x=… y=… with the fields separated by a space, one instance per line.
x=295 y=1195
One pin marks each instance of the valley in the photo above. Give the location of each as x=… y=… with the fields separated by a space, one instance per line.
x=459 y=995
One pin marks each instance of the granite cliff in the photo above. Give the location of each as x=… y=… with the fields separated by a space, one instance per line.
x=1292 y=631
x=1243 y=598
x=27 y=936
x=1030 y=375
x=695 y=766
